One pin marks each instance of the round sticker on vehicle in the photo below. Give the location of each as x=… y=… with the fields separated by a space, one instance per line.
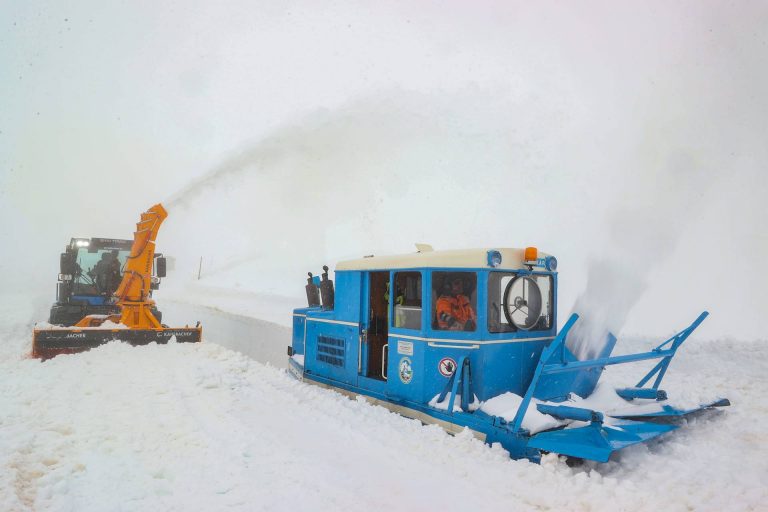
x=405 y=370
x=446 y=366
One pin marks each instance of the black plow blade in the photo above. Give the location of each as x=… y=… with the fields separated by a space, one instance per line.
x=48 y=343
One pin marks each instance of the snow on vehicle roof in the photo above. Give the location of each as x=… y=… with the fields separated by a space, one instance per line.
x=511 y=259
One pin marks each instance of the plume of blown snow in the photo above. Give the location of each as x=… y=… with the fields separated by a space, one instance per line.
x=378 y=174
x=641 y=233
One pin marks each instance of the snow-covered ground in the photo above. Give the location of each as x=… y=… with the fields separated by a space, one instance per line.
x=202 y=427
x=257 y=338
x=269 y=308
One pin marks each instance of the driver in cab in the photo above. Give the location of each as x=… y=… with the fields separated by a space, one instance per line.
x=454 y=310
x=106 y=273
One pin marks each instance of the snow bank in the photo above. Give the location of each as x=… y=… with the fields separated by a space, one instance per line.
x=107 y=324
x=269 y=307
x=260 y=339
x=200 y=427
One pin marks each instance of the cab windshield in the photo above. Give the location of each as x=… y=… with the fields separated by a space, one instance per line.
x=519 y=302
x=98 y=271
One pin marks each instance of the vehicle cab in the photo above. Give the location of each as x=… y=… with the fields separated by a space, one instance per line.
x=395 y=327
x=90 y=271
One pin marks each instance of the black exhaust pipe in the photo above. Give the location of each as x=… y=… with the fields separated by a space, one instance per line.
x=326 y=289
x=313 y=293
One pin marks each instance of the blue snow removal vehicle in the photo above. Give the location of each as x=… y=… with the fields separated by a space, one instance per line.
x=468 y=339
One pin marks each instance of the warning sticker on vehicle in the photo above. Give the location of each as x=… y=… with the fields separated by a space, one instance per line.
x=446 y=366
x=405 y=348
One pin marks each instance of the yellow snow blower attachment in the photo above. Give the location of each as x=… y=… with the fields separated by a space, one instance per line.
x=135 y=323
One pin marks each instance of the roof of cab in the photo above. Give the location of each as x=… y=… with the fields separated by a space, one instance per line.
x=511 y=259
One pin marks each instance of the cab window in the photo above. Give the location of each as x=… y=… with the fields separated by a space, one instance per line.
x=406 y=299
x=98 y=270
x=519 y=302
x=454 y=301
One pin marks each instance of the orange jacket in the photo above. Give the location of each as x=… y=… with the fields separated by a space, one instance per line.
x=453 y=312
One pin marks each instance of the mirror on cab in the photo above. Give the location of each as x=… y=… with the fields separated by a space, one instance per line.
x=68 y=265
x=160 y=266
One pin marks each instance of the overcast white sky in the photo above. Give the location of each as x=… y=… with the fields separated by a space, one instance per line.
x=597 y=131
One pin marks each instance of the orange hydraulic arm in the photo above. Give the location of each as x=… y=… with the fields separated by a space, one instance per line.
x=133 y=292
x=137 y=272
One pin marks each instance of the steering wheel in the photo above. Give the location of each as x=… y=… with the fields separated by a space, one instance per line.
x=522 y=302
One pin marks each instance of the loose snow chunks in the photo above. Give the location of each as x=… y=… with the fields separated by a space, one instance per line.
x=506 y=406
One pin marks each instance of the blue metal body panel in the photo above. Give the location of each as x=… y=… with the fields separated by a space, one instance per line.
x=93 y=300
x=299 y=329
x=348 y=296
x=416 y=362
x=596 y=441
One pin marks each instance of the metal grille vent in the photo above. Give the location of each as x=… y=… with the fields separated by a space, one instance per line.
x=330 y=350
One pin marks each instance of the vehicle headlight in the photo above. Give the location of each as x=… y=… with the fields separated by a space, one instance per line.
x=494 y=258
x=551 y=263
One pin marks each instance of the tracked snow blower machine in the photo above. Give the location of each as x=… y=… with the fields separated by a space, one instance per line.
x=468 y=339
x=119 y=286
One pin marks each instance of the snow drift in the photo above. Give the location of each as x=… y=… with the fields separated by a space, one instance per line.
x=200 y=427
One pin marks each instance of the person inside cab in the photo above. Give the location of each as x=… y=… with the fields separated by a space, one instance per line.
x=454 y=309
x=106 y=273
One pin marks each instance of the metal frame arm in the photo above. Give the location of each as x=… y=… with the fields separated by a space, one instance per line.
x=661 y=368
x=545 y=355
x=465 y=376
x=552 y=362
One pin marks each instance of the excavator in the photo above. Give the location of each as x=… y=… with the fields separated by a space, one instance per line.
x=134 y=319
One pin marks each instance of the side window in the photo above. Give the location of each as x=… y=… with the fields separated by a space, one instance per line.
x=407 y=300
x=454 y=301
